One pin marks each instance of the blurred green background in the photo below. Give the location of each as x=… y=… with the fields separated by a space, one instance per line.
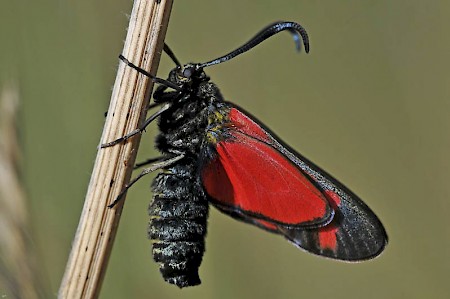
x=370 y=104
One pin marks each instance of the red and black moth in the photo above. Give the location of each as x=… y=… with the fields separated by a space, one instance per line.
x=215 y=152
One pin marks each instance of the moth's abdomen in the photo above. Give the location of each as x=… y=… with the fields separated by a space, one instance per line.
x=177 y=226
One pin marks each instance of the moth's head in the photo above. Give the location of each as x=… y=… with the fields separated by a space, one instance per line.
x=188 y=74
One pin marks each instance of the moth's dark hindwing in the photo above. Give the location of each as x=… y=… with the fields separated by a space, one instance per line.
x=178 y=213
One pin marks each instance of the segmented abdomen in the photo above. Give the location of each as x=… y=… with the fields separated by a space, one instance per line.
x=177 y=226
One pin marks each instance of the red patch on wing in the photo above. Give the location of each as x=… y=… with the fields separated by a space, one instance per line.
x=247 y=126
x=255 y=178
x=327 y=234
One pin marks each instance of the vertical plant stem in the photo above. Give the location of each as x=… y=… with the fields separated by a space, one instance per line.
x=94 y=238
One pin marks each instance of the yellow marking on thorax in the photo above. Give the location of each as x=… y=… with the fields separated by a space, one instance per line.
x=216 y=121
x=216 y=117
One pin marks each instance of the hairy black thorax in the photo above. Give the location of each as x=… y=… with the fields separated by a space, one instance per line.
x=183 y=126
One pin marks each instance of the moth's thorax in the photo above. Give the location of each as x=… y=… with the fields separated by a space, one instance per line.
x=193 y=112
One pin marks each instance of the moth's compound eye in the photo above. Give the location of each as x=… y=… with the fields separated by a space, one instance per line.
x=188 y=71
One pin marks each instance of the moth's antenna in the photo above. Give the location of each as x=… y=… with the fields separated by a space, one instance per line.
x=145 y=73
x=296 y=29
x=171 y=55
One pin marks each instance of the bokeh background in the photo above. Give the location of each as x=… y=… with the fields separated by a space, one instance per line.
x=370 y=104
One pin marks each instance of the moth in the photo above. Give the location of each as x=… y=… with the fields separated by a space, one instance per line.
x=214 y=152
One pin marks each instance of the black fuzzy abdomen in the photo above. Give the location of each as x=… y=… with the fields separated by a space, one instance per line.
x=178 y=216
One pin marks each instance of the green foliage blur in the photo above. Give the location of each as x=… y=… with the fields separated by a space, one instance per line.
x=370 y=104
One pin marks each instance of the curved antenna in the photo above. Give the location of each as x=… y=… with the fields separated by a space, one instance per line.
x=295 y=29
